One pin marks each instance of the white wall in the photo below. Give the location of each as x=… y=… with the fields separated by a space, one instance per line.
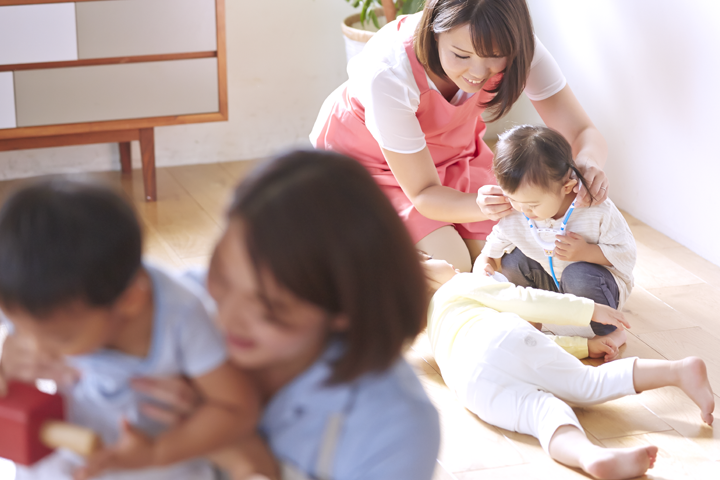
x=647 y=71
x=284 y=58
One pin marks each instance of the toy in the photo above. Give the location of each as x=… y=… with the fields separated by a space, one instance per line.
x=31 y=426
x=549 y=247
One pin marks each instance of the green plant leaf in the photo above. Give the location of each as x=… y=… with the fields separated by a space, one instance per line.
x=411 y=6
x=374 y=19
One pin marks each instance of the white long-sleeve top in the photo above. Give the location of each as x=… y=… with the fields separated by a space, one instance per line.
x=602 y=225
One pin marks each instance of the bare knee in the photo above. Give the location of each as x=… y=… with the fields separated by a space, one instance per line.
x=445 y=243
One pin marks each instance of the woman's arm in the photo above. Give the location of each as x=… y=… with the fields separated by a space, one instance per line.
x=417 y=176
x=564 y=113
x=229 y=412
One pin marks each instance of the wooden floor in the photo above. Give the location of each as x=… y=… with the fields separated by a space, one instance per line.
x=674 y=310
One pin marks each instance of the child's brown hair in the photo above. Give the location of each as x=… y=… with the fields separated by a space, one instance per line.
x=318 y=222
x=534 y=155
x=500 y=28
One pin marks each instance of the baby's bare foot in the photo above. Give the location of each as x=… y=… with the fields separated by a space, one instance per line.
x=694 y=382
x=619 y=463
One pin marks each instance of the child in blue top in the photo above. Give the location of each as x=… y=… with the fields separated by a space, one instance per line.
x=71 y=277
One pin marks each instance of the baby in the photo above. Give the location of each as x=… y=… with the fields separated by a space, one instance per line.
x=513 y=376
x=72 y=279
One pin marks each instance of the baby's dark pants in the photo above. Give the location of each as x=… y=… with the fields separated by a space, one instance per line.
x=582 y=279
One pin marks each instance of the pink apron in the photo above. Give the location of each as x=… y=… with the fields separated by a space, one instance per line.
x=453 y=134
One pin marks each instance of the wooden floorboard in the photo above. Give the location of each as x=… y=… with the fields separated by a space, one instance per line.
x=674 y=310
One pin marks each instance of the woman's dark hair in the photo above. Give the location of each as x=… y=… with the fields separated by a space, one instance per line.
x=534 y=155
x=321 y=226
x=499 y=28
x=62 y=241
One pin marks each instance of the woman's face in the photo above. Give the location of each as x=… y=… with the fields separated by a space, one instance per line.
x=282 y=332
x=462 y=65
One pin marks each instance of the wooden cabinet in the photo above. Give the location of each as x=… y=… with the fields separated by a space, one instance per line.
x=96 y=71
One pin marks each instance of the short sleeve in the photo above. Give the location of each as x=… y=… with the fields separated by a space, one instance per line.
x=202 y=348
x=390 y=106
x=545 y=78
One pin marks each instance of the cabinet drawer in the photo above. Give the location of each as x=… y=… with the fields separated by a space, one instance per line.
x=7 y=100
x=119 y=28
x=116 y=92
x=37 y=33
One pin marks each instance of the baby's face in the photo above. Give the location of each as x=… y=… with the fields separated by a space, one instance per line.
x=438 y=272
x=72 y=329
x=535 y=202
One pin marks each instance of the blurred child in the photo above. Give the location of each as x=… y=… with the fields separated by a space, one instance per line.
x=71 y=277
x=594 y=259
x=513 y=376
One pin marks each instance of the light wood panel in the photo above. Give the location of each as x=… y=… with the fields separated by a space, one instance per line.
x=145 y=27
x=699 y=304
x=648 y=313
x=111 y=92
x=657 y=271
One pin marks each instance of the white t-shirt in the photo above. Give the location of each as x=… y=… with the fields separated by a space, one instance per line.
x=381 y=78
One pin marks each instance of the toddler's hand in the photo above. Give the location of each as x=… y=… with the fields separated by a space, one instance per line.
x=492 y=202
x=603 y=347
x=25 y=360
x=133 y=450
x=484 y=264
x=609 y=316
x=570 y=248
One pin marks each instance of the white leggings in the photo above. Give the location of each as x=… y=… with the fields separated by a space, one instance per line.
x=511 y=375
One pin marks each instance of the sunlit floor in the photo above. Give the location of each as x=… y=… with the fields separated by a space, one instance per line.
x=674 y=310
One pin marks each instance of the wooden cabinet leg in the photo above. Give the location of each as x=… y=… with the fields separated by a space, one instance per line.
x=147 y=149
x=125 y=158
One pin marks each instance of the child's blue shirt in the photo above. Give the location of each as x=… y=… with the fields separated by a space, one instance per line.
x=184 y=342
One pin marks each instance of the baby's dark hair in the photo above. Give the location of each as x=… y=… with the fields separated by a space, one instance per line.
x=62 y=241
x=534 y=155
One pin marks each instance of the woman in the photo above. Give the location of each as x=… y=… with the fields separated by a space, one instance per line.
x=410 y=113
x=318 y=290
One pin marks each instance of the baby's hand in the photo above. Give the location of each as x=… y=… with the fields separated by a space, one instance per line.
x=609 y=316
x=485 y=265
x=570 y=248
x=133 y=450
x=603 y=347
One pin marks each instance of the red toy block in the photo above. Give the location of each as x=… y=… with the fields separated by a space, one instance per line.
x=22 y=414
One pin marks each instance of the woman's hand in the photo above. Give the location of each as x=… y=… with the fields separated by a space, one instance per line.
x=492 y=202
x=174 y=398
x=609 y=316
x=597 y=184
